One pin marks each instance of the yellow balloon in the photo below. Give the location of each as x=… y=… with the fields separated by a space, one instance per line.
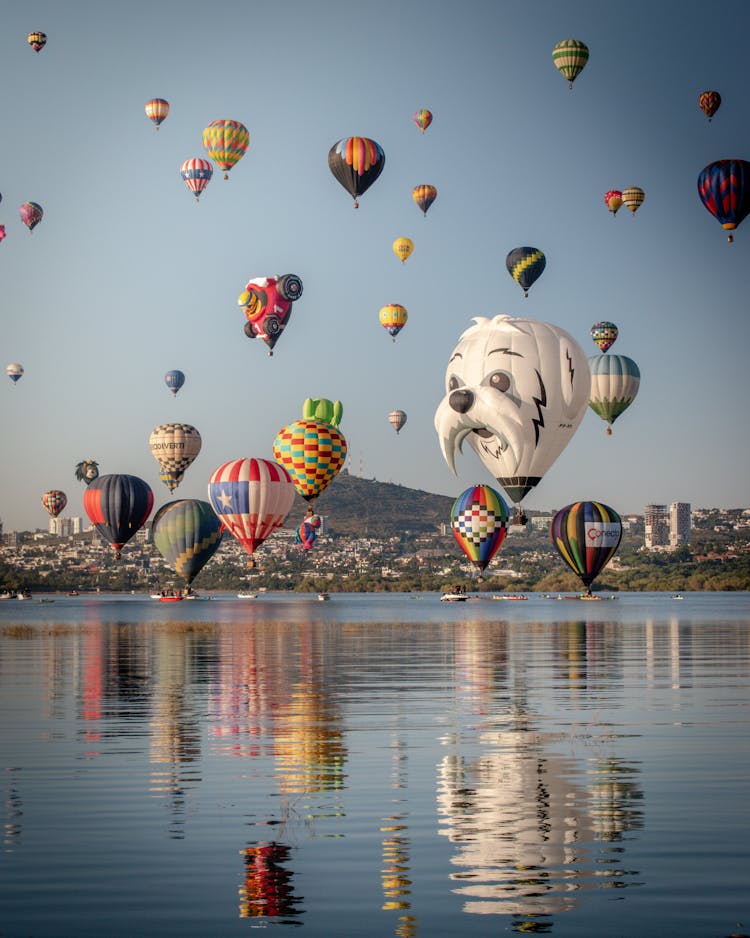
x=402 y=248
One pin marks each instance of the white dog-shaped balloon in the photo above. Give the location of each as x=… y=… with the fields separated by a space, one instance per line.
x=517 y=389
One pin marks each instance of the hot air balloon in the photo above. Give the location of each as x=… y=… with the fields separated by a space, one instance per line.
x=187 y=533
x=613 y=200
x=87 y=470
x=174 y=446
x=423 y=118
x=516 y=389
x=614 y=384
x=356 y=162
x=54 y=501
x=724 y=189
x=320 y=408
x=267 y=304
x=525 y=265
x=632 y=198
x=196 y=173
x=587 y=535
x=118 y=506
x=423 y=196
x=393 y=318
x=226 y=142
x=397 y=418
x=709 y=102
x=479 y=521
x=156 y=110
x=307 y=533
x=251 y=497
x=312 y=452
x=174 y=380
x=14 y=371
x=31 y=214
x=2 y=232
x=402 y=248
x=604 y=334
x=37 y=41
x=570 y=56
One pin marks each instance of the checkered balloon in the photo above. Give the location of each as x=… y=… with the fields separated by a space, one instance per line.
x=312 y=452
x=479 y=521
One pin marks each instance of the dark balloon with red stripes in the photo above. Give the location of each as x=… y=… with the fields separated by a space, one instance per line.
x=118 y=506
x=724 y=189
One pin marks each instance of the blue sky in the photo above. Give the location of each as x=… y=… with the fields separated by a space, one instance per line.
x=126 y=277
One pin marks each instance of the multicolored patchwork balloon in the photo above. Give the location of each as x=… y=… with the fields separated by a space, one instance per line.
x=226 y=142
x=393 y=318
x=724 y=189
x=31 y=214
x=586 y=535
x=196 y=174
x=251 y=497
x=174 y=446
x=604 y=334
x=709 y=102
x=479 y=521
x=356 y=162
x=118 y=506
x=525 y=265
x=423 y=118
x=570 y=56
x=615 y=380
x=424 y=195
x=54 y=501
x=157 y=110
x=312 y=452
x=187 y=533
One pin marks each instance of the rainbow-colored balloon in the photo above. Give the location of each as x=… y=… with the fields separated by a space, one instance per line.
x=479 y=521
x=226 y=142
x=423 y=118
x=604 y=334
x=157 y=110
x=424 y=195
x=586 y=535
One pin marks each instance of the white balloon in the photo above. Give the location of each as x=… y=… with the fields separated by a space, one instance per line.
x=517 y=390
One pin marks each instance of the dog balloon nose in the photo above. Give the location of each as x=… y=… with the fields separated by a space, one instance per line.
x=461 y=400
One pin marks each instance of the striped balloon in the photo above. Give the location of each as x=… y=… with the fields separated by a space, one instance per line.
x=251 y=497
x=615 y=380
x=356 y=162
x=423 y=196
x=586 y=535
x=570 y=56
x=196 y=174
x=226 y=142
x=479 y=521
x=118 y=506
x=187 y=533
x=54 y=501
x=174 y=380
x=525 y=265
x=156 y=110
x=632 y=198
x=423 y=118
x=724 y=189
x=312 y=452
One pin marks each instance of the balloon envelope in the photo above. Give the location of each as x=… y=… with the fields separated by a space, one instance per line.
x=604 y=334
x=724 y=189
x=118 y=506
x=570 y=56
x=31 y=214
x=196 y=174
x=37 y=40
x=54 y=501
x=14 y=371
x=251 y=497
x=709 y=102
x=586 y=535
x=423 y=118
x=516 y=389
x=356 y=162
x=615 y=380
x=393 y=318
x=307 y=533
x=402 y=248
x=312 y=452
x=174 y=380
x=397 y=418
x=613 y=200
x=226 y=142
x=632 y=198
x=525 y=265
x=479 y=521
x=156 y=110
x=267 y=304
x=424 y=195
x=87 y=470
x=174 y=446
x=187 y=533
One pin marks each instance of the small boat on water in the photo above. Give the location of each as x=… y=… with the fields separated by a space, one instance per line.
x=72 y=593
x=247 y=595
x=7 y=595
x=323 y=597
x=171 y=598
x=23 y=594
x=678 y=596
x=513 y=596
x=453 y=598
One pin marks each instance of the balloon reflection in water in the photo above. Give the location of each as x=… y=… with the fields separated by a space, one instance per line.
x=267 y=890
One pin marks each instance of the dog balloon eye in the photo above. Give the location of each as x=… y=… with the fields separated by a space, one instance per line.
x=453 y=383
x=500 y=381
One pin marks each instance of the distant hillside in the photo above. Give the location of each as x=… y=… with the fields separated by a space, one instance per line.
x=381 y=509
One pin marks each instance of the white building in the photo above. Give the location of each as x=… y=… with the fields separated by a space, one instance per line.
x=656 y=521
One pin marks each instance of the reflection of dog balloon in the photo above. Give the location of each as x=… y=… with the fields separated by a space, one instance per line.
x=516 y=389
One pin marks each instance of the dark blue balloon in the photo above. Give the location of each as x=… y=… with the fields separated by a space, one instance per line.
x=174 y=380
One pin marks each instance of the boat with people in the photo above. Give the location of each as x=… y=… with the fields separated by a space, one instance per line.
x=511 y=596
x=23 y=594
x=72 y=593
x=453 y=598
x=678 y=596
x=323 y=597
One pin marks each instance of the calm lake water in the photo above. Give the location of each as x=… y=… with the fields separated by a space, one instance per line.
x=375 y=765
